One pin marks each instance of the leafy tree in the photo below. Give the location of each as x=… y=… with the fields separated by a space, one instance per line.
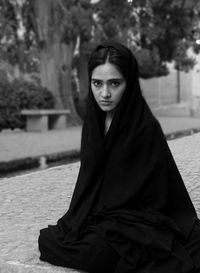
x=59 y=29
x=171 y=24
x=156 y=25
x=46 y=34
x=16 y=36
x=59 y=26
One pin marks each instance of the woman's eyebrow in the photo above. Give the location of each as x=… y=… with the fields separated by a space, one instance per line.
x=112 y=79
x=116 y=79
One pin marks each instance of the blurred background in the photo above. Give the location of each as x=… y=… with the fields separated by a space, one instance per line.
x=44 y=47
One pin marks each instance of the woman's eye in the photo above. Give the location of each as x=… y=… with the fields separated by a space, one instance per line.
x=97 y=83
x=115 y=83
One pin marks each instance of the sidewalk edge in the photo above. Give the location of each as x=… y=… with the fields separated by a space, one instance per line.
x=32 y=162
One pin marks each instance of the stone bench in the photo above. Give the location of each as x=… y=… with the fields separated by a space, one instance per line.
x=43 y=120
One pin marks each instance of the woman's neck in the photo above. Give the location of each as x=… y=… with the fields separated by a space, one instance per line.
x=109 y=117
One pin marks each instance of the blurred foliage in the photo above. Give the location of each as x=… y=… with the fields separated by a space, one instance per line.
x=9 y=107
x=196 y=48
x=182 y=61
x=3 y=75
x=149 y=63
x=172 y=23
x=7 y=32
x=20 y=95
x=155 y=27
x=10 y=40
x=76 y=20
x=196 y=35
x=157 y=24
x=33 y=96
x=113 y=19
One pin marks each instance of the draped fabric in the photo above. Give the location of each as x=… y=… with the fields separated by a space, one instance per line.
x=129 y=191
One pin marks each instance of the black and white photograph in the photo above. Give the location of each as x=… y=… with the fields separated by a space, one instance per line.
x=99 y=136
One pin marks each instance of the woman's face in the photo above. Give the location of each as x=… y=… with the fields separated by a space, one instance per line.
x=108 y=86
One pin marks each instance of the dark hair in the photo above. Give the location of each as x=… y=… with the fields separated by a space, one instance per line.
x=114 y=53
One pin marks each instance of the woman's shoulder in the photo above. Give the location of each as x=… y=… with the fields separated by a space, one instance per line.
x=150 y=124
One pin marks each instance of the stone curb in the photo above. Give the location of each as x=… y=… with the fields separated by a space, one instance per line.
x=182 y=133
x=42 y=161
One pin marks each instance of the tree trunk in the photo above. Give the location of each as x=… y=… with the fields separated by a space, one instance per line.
x=21 y=47
x=55 y=56
x=82 y=74
x=178 y=99
x=49 y=71
x=65 y=72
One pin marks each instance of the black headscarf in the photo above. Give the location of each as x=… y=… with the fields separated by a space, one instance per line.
x=129 y=190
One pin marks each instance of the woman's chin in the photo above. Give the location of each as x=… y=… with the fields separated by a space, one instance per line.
x=106 y=108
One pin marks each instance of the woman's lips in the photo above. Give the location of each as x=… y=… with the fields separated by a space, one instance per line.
x=105 y=103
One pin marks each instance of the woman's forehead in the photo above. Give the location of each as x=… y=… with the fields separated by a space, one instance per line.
x=106 y=71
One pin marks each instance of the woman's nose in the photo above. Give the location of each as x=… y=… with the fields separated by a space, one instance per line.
x=105 y=92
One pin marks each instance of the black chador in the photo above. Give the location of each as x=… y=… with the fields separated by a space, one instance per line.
x=130 y=210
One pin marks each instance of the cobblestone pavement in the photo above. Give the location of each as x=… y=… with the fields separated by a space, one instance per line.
x=32 y=201
x=27 y=204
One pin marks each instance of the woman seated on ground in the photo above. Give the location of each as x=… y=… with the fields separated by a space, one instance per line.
x=130 y=210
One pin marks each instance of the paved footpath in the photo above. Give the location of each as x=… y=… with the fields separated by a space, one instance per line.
x=32 y=201
x=19 y=144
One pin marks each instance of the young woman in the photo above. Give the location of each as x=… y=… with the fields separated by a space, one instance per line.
x=130 y=210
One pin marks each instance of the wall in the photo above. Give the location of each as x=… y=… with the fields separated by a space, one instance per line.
x=163 y=90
